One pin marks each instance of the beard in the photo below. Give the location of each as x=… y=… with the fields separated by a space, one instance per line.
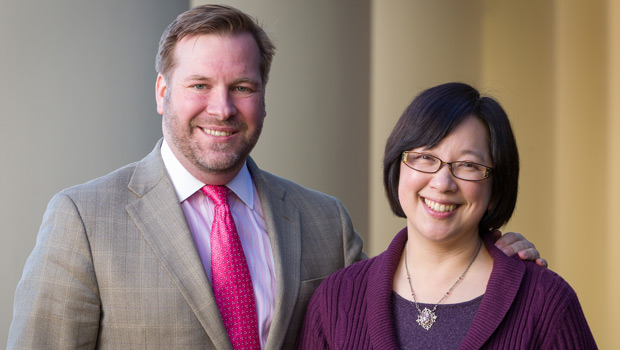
x=211 y=158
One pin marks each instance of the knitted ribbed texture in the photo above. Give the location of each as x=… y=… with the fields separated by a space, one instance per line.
x=524 y=307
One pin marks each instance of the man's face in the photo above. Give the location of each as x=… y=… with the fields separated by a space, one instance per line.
x=212 y=104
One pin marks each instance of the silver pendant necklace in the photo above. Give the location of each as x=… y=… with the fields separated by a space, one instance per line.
x=427 y=317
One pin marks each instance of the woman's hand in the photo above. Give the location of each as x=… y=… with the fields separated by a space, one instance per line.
x=512 y=243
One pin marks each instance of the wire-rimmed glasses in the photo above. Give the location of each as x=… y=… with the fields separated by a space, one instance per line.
x=464 y=170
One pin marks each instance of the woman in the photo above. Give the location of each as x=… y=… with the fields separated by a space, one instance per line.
x=451 y=168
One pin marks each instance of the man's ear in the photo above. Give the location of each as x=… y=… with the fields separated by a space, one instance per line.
x=161 y=86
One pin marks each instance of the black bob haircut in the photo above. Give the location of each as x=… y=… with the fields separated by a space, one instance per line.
x=430 y=117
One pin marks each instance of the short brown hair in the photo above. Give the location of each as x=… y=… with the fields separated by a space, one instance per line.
x=212 y=19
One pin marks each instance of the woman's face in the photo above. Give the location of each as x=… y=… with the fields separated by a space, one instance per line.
x=440 y=207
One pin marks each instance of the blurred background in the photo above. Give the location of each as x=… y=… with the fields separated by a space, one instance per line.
x=77 y=101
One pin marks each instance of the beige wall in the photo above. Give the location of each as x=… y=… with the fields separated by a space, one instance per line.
x=580 y=153
x=610 y=302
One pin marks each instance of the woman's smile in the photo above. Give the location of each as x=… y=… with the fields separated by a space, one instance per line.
x=439 y=207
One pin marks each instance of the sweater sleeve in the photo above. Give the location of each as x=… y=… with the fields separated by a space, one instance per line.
x=312 y=335
x=568 y=328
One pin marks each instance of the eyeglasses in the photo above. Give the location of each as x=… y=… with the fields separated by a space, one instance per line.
x=425 y=163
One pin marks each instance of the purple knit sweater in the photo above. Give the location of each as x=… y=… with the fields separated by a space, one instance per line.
x=524 y=307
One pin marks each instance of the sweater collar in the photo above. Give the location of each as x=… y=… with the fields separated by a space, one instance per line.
x=380 y=317
x=500 y=293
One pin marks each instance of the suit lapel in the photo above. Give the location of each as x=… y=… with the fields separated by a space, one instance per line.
x=159 y=217
x=284 y=229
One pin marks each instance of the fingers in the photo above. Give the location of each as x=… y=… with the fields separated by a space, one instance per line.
x=512 y=242
x=542 y=262
x=529 y=254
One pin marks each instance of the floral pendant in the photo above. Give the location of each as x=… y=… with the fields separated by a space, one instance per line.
x=426 y=318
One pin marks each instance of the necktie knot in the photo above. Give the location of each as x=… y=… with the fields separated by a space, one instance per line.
x=217 y=193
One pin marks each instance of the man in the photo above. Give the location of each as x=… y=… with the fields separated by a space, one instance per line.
x=128 y=260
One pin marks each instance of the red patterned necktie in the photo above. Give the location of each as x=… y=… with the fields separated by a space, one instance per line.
x=232 y=283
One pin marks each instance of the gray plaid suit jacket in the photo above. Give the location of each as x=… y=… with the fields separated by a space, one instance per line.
x=115 y=267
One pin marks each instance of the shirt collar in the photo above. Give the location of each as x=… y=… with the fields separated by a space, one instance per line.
x=185 y=184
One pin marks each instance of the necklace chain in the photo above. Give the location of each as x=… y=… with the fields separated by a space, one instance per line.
x=427 y=317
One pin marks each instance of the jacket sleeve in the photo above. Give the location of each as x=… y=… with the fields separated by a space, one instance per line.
x=57 y=304
x=352 y=242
